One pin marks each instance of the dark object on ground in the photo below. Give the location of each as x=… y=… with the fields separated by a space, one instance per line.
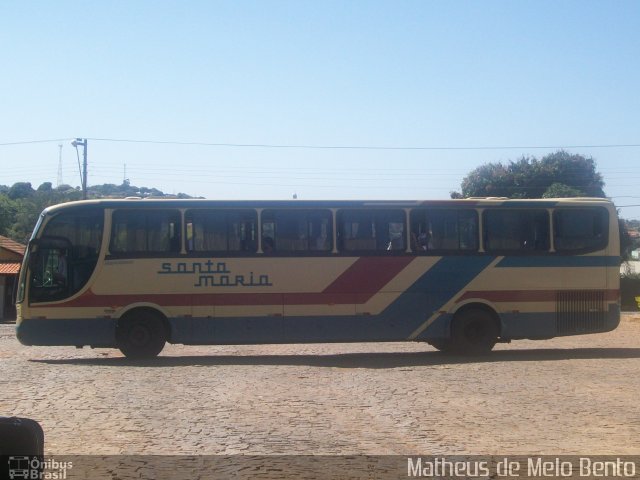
x=21 y=447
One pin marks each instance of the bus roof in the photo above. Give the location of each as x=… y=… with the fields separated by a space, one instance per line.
x=200 y=203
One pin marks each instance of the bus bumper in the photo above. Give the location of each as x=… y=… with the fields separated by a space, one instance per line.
x=96 y=332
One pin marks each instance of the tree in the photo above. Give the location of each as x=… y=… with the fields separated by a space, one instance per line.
x=24 y=220
x=45 y=187
x=557 y=174
x=7 y=214
x=627 y=242
x=560 y=190
x=20 y=190
x=20 y=204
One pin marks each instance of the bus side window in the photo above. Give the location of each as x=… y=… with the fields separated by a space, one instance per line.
x=449 y=230
x=145 y=231
x=372 y=230
x=580 y=229
x=516 y=230
x=297 y=231
x=211 y=230
x=391 y=226
x=320 y=228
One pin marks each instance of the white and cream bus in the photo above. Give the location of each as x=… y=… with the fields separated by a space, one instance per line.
x=460 y=275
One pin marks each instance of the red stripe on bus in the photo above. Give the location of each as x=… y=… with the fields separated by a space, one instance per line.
x=368 y=275
x=525 y=295
x=356 y=285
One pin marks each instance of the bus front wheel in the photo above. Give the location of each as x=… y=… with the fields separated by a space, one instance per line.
x=474 y=332
x=141 y=335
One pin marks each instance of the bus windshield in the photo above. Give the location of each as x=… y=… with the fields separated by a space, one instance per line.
x=63 y=258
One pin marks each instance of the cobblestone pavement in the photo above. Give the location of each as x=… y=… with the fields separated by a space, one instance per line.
x=574 y=395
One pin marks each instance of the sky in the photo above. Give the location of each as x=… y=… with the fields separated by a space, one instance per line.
x=322 y=99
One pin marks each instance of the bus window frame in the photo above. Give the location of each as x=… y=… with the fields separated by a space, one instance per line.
x=439 y=252
x=174 y=251
x=517 y=251
x=220 y=253
x=298 y=253
x=603 y=245
x=375 y=252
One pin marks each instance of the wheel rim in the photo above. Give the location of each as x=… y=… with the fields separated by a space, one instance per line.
x=475 y=332
x=139 y=336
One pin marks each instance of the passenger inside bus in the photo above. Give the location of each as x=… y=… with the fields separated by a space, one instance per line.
x=267 y=245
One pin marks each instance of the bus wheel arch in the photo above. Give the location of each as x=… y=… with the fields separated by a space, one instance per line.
x=142 y=332
x=475 y=329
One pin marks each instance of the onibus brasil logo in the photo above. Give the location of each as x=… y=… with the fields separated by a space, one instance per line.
x=37 y=468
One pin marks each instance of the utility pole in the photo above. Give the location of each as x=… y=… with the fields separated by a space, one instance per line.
x=60 y=167
x=83 y=144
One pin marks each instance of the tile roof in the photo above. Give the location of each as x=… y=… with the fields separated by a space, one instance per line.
x=12 y=245
x=9 y=268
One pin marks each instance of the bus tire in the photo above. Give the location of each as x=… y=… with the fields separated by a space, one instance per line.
x=141 y=334
x=474 y=332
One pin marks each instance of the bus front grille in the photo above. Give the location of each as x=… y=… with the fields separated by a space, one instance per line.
x=580 y=311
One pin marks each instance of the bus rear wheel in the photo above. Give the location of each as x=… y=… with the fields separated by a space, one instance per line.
x=474 y=332
x=141 y=335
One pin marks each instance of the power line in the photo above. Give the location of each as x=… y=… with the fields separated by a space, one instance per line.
x=359 y=147
x=272 y=170
x=26 y=142
x=331 y=147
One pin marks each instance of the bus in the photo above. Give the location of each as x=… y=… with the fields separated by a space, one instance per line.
x=460 y=275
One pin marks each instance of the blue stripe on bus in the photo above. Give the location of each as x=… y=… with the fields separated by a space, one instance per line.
x=446 y=279
x=558 y=261
x=396 y=323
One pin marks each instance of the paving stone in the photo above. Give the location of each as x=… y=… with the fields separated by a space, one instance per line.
x=572 y=395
